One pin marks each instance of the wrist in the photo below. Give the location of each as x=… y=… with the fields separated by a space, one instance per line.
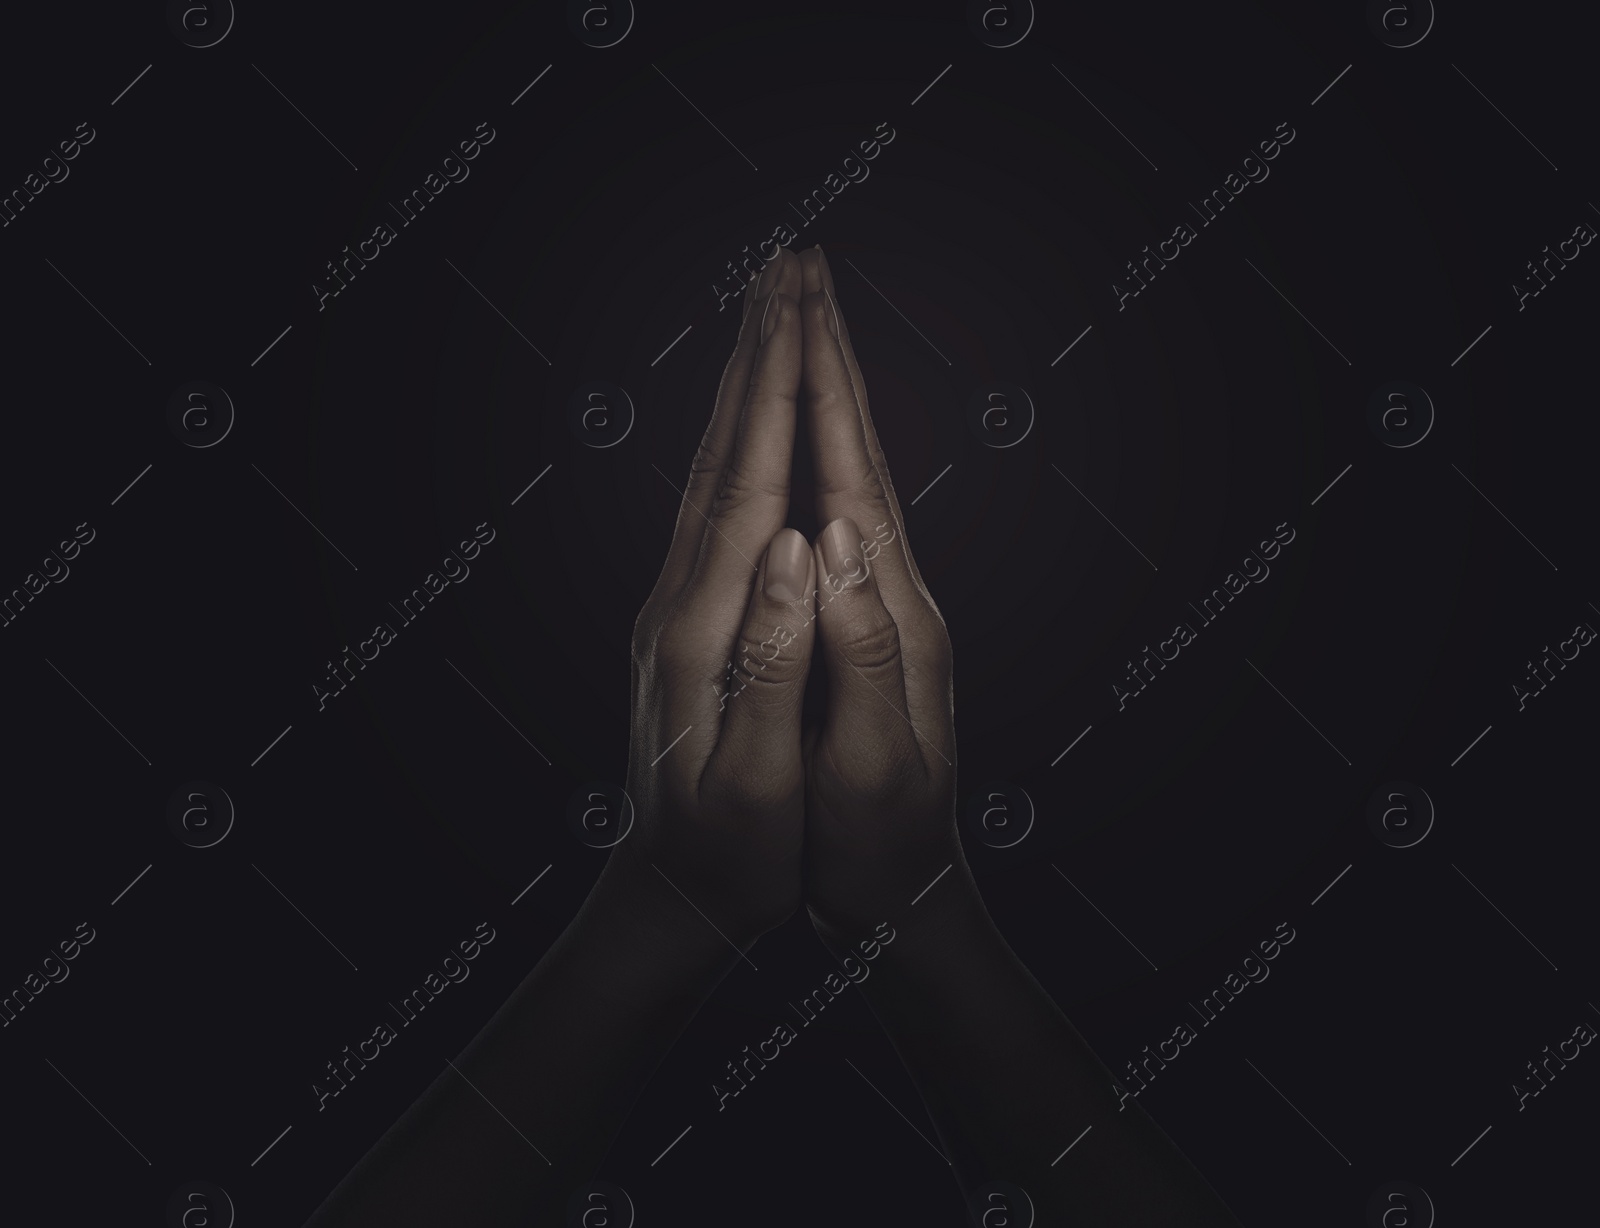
x=663 y=920
x=948 y=916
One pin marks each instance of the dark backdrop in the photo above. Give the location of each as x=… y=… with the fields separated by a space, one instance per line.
x=1143 y=453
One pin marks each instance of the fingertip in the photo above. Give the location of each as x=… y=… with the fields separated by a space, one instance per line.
x=826 y=271
x=788 y=566
x=839 y=544
x=811 y=270
x=790 y=280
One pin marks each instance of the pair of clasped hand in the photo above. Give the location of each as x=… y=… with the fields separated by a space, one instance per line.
x=747 y=814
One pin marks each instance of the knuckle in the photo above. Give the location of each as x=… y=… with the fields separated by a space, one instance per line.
x=707 y=464
x=870 y=640
x=739 y=486
x=859 y=477
x=771 y=667
x=676 y=646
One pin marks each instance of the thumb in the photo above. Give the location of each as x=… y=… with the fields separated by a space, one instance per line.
x=868 y=735
x=759 y=745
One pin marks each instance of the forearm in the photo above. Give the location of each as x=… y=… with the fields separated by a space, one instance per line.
x=1011 y=1084
x=528 y=1110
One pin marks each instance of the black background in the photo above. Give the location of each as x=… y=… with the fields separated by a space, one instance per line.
x=1198 y=418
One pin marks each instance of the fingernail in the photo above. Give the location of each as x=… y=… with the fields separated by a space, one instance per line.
x=841 y=550
x=788 y=561
x=833 y=317
x=769 y=317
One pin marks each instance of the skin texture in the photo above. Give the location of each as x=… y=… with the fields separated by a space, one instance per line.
x=743 y=815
